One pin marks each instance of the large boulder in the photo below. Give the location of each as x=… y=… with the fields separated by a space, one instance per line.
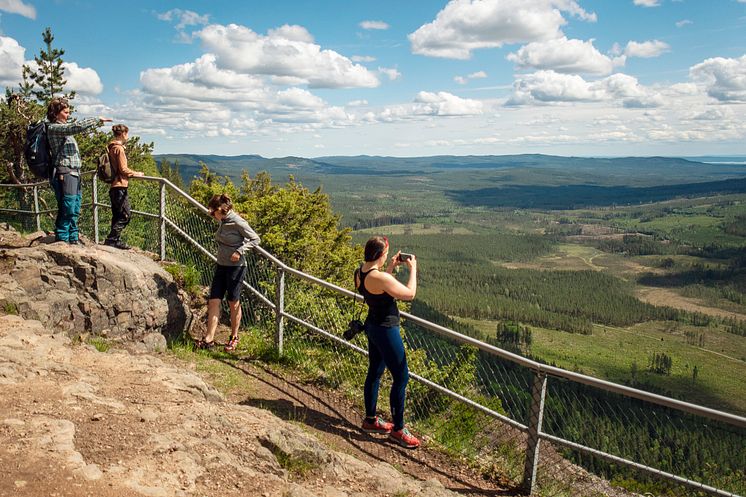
x=89 y=289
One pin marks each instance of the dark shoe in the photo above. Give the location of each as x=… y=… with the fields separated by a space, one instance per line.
x=378 y=426
x=203 y=345
x=404 y=438
x=117 y=244
x=74 y=242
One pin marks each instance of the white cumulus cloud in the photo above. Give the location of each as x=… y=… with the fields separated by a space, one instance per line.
x=380 y=25
x=285 y=52
x=446 y=104
x=184 y=18
x=82 y=79
x=390 y=72
x=202 y=80
x=723 y=79
x=545 y=87
x=647 y=3
x=462 y=80
x=299 y=98
x=18 y=7
x=646 y=49
x=563 y=55
x=11 y=61
x=683 y=22
x=466 y=25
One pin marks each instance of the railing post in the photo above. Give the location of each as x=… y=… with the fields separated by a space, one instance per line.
x=95 y=208
x=162 y=218
x=37 y=214
x=279 y=309
x=536 y=416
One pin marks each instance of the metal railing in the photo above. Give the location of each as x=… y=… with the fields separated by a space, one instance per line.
x=545 y=429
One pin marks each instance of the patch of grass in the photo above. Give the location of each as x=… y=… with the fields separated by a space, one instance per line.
x=101 y=344
x=187 y=277
x=10 y=308
x=223 y=368
x=297 y=466
x=720 y=362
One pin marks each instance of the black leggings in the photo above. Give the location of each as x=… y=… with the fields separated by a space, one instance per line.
x=120 y=213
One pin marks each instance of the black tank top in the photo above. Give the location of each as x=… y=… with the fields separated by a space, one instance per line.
x=382 y=310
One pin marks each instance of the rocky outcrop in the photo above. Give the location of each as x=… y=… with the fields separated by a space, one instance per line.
x=78 y=422
x=88 y=289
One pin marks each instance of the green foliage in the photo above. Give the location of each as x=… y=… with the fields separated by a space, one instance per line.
x=296 y=225
x=660 y=363
x=16 y=113
x=101 y=344
x=514 y=337
x=187 y=277
x=459 y=373
x=296 y=465
x=171 y=173
x=10 y=308
x=47 y=80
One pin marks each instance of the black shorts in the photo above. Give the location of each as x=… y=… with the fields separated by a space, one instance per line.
x=227 y=279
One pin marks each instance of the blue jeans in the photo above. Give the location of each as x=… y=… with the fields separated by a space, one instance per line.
x=386 y=350
x=68 y=194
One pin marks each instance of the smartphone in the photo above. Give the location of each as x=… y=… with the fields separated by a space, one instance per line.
x=404 y=257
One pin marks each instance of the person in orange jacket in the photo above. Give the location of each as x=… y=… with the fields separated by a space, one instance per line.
x=120 y=203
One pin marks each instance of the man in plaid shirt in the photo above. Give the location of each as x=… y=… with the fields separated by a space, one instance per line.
x=67 y=164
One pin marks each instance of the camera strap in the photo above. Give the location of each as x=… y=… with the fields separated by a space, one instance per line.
x=359 y=273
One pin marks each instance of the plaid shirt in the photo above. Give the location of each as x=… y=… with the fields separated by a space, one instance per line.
x=63 y=144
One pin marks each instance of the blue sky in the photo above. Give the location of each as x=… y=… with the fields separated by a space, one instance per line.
x=564 y=77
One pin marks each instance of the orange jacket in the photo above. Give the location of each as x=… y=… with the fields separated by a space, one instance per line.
x=118 y=158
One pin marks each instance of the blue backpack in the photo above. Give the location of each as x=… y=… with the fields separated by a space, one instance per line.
x=37 y=151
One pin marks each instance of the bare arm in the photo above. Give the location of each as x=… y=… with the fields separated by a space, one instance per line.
x=396 y=289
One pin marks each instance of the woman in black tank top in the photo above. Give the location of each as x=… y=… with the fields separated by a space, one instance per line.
x=385 y=346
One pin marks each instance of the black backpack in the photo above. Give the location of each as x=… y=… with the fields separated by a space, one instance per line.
x=37 y=151
x=106 y=170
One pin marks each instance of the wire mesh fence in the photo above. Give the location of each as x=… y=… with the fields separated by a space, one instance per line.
x=569 y=437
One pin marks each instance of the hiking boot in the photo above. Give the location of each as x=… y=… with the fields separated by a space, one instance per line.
x=377 y=426
x=404 y=438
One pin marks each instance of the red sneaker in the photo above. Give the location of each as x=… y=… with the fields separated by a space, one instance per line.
x=377 y=426
x=404 y=438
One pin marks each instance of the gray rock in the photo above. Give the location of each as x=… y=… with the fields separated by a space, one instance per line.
x=91 y=289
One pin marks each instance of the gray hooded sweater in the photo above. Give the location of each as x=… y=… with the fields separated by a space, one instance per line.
x=234 y=235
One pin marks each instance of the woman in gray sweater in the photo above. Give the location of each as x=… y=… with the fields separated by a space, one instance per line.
x=234 y=237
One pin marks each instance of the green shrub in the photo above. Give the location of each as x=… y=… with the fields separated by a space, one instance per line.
x=187 y=277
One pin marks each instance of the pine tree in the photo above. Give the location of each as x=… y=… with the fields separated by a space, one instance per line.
x=47 y=79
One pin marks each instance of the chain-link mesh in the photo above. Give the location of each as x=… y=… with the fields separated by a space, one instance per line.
x=469 y=402
x=665 y=439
